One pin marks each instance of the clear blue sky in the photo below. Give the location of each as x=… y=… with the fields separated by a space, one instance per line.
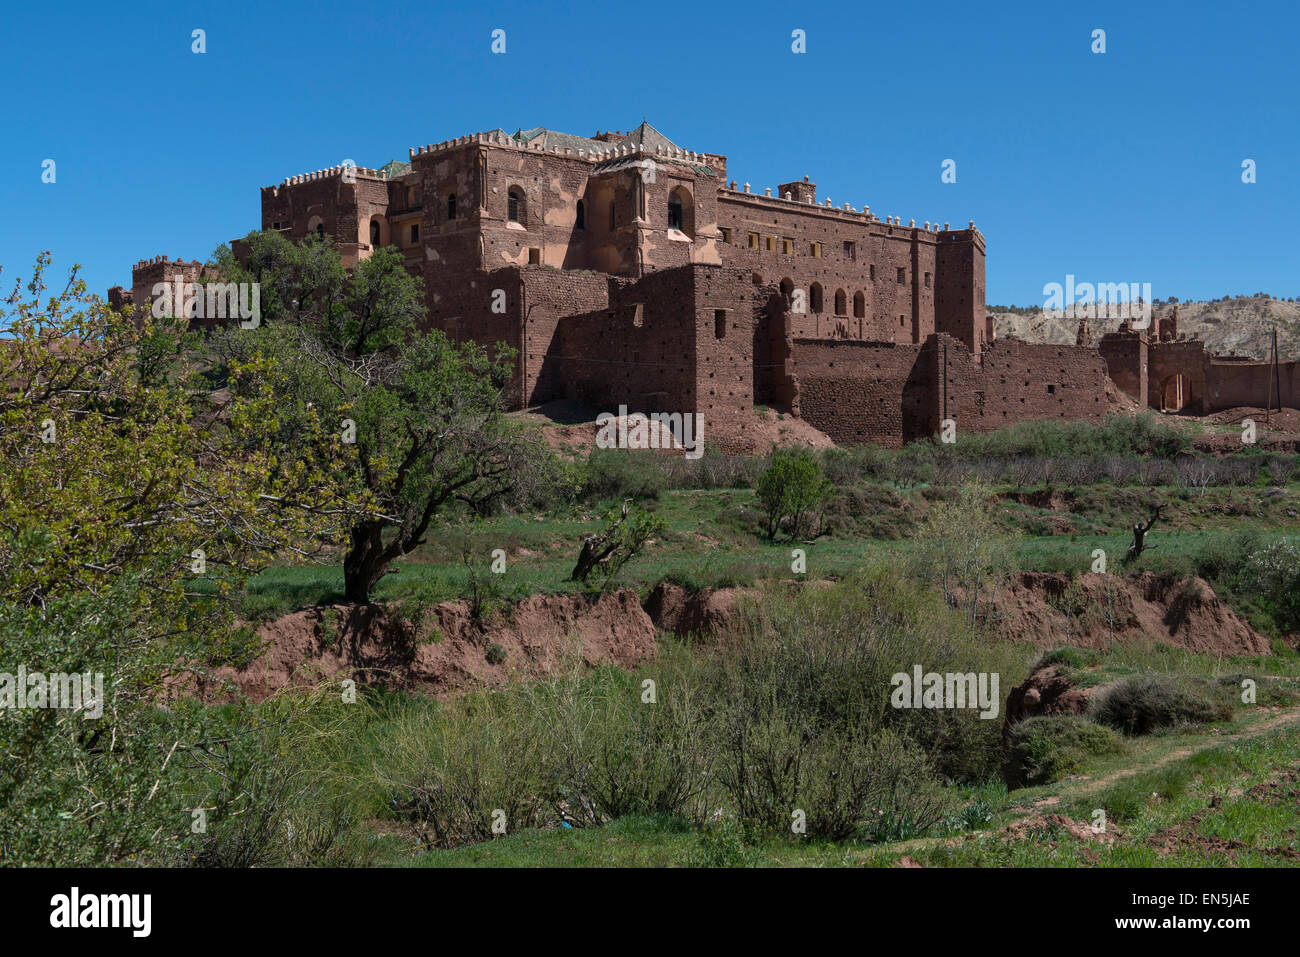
x=1117 y=167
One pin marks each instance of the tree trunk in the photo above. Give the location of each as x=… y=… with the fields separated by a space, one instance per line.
x=364 y=564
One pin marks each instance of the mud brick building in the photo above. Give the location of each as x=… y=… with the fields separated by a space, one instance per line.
x=624 y=269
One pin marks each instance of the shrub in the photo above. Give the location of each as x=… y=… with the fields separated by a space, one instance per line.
x=791 y=487
x=1145 y=703
x=1046 y=748
x=617 y=473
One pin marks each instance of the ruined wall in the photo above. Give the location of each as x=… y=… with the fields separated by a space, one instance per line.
x=1127 y=362
x=726 y=301
x=549 y=296
x=639 y=351
x=1230 y=384
x=859 y=392
x=1013 y=381
x=1165 y=361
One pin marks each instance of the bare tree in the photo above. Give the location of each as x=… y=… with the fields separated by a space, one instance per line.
x=1140 y=530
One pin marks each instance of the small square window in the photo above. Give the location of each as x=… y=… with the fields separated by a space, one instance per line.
x=534 y=256
x=753 y=240
x=902 y=274
x=726 y=235
x=771 y=243
x=787 y=247
x=927 y=280
x=850 y=250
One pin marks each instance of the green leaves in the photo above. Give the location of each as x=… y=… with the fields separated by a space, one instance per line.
x=791 y=487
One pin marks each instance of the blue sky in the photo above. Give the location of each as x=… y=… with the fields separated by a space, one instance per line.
x=1116 y=167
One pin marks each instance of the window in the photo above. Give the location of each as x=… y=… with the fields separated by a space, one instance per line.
x=719 y=323
x=451 y=206
x=873 y=272
x=859 y=309
x=374 y=232
x=674 y=213
x=613 y=221
x=841 y=303
x=815 y=250
x=581 y=221
x=534 y=257
x=320 y=229
x=850 y=250
x=815 y=297
x=516 y=205
x=681 y=211
x=726 y=235
x=927 y=280
x=902 y=274
x=1051 y=390
x=753 y=240
x=415 y=232
x=771 y=244
x=275 y=225
x=787 y=247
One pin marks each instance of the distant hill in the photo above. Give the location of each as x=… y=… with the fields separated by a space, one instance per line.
x=1241 y=324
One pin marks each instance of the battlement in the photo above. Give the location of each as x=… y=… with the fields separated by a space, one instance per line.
x=847 y=211
x=364 y=172
x=596 y=155
x=144 y=264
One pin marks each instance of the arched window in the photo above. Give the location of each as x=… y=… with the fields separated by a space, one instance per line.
x=316 y=225
x=681 y=211
x=374 y=234
x=581 y=221
x=516 y=205
x=815 y=297
x=451 y=205
x=787 y=290
x=859 y=307
x=841 y=303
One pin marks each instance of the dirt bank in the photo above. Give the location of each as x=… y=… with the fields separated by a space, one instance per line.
x=450 y=651
x=1148 y=608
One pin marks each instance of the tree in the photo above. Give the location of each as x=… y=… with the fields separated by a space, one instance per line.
x=791 y=486
x=132 y=503
x=625 y=534
x=426 y=415
x=963 y=548
x=1138 y=545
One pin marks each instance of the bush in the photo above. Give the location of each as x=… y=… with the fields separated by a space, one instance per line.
x=790 y=488
x=617 y=473
x=1145 y=703
x=1047 y=748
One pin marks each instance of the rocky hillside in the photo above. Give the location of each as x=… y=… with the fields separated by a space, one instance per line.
x=1241 y=324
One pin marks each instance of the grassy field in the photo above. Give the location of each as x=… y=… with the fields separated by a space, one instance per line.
x=418 y=777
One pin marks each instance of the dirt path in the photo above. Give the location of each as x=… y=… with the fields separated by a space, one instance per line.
x=1089 y=785
x=1284 y=716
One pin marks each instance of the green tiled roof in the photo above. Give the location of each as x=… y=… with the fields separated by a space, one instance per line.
x=648 y=137
x=393 y=169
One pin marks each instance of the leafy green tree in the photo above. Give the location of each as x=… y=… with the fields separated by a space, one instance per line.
x=131 y=505
x=426 y=415
x=790 y=488
x=625 y=534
